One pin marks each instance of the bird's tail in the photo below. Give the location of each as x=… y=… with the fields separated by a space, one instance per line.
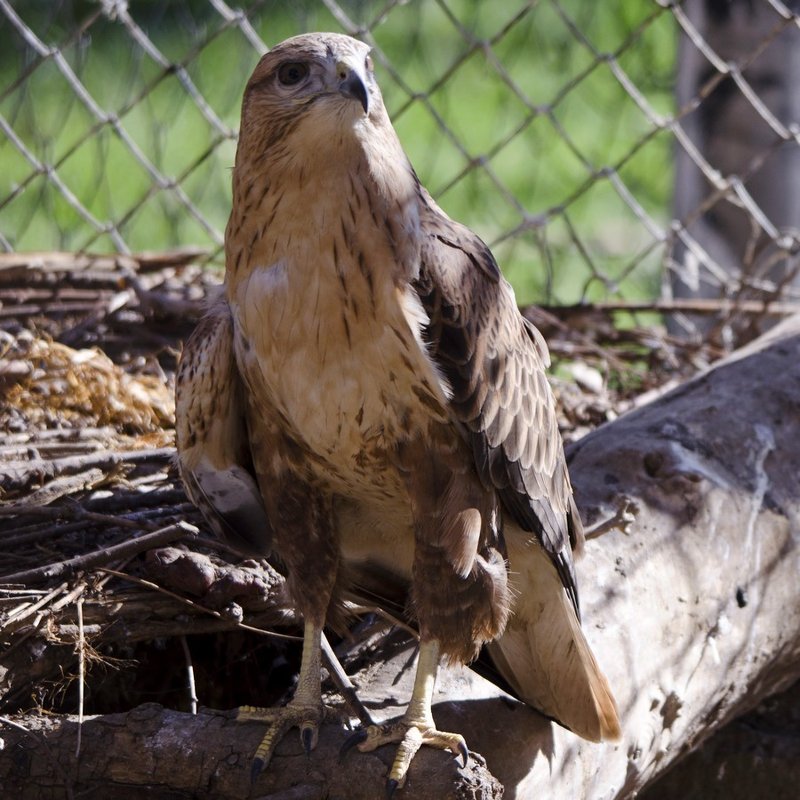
x=543 y=654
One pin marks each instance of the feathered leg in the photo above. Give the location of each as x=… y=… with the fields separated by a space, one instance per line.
x=455 y=557
x=305 y=539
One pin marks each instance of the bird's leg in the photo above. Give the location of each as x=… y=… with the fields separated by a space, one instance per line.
x=416 y=726
x=304 y=710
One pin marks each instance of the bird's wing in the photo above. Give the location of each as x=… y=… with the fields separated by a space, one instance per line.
x=212 y=437
x=494 y=363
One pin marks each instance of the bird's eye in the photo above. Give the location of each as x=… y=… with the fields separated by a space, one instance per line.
x=292 y=72
x=368 y=63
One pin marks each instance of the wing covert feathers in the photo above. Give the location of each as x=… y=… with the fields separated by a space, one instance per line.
x=494 y=362
x=544 y=655
x=212 y=439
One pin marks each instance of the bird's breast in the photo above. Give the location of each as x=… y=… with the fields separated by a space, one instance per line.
x=337 y=352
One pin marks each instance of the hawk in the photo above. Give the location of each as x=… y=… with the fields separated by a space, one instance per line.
x=365 y=400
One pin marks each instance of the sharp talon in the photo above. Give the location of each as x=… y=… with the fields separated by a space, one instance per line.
x=391 y=785
x=464 y=752
x=307 y=735
x=256 y=768
x=351 y=741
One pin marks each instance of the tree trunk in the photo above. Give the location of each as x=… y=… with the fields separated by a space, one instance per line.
x=736 y=192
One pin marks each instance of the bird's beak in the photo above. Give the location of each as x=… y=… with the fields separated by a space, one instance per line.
x=353 y=83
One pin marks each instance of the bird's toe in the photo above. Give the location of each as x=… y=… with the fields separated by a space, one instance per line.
x=279 y=721
x=409 y=739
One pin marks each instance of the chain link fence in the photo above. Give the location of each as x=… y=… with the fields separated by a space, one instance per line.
x=632 y=154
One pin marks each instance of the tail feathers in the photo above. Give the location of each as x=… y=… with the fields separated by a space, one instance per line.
x=545 y=657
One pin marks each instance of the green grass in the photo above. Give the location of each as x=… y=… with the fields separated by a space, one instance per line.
x=546 y=130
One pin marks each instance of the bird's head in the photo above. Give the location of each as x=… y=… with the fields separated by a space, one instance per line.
x=313 y=127
x=318 y=82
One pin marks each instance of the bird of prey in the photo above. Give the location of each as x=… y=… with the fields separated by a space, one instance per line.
x=365 y=400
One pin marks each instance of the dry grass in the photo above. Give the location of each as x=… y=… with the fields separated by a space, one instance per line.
x=56 y=386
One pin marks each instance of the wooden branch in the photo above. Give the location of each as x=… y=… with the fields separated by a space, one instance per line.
x=104 y=555
x=17 y=266
x=125 y=756
x=694 y=305
x=185 y=593
x=18 y=476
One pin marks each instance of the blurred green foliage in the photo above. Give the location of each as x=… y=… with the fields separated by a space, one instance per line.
x=511 y=113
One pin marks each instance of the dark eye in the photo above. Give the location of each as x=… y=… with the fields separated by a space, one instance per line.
x=368 y=63
x=292 y=72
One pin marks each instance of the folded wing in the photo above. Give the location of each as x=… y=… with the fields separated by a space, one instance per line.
x=211 y=431
x=493 y=362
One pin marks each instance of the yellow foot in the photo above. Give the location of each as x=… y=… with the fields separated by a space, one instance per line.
x=410 y=737
x=280 y=720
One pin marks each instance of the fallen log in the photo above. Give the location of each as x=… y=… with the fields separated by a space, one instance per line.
x=693 y=610
x=154 y=752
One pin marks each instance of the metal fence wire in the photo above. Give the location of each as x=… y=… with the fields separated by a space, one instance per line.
x=637 y=153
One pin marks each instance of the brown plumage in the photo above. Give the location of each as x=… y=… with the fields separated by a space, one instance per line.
x=366 y=399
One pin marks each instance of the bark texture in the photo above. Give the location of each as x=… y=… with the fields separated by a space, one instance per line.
x=154 y=752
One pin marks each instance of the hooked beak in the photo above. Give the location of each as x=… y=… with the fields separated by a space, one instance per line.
x=353 y=84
